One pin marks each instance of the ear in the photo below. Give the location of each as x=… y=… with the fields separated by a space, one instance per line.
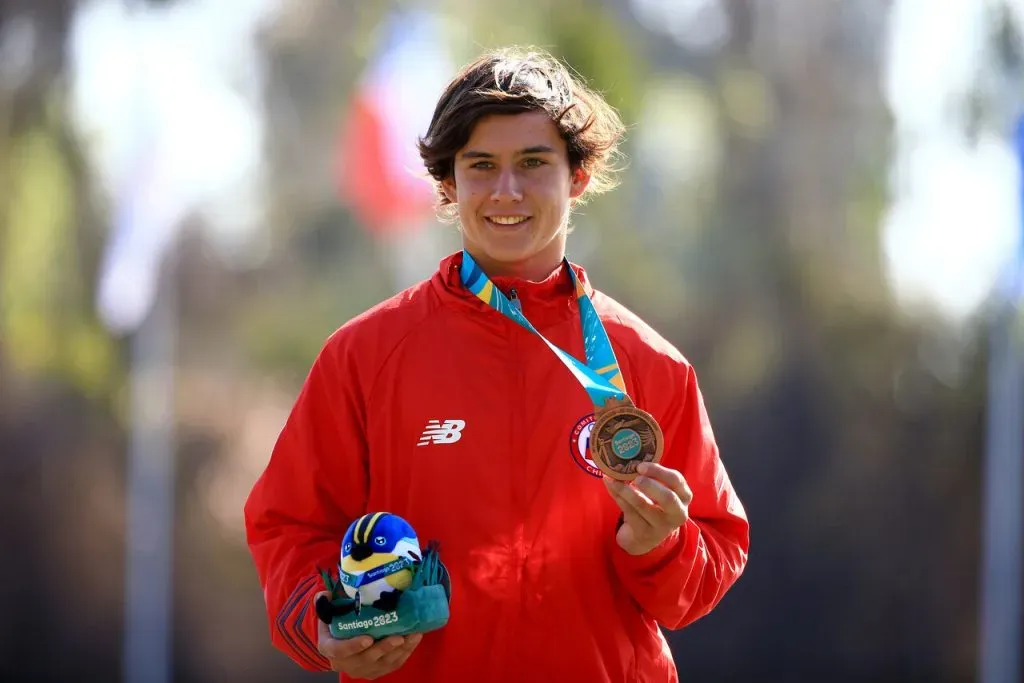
x=580 y=180
x=448 y=186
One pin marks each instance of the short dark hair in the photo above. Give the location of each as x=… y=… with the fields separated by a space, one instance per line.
x=514 y=81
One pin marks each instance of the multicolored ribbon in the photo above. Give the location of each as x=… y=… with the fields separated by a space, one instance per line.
x=600 y=375
x=371 y=575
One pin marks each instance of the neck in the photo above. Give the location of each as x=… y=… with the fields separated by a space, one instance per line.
x=533 y=269
x=528 y=272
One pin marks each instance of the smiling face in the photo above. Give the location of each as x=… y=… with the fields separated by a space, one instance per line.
x=513 y=186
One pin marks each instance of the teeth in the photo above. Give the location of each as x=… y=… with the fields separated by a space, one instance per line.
x=508 y=220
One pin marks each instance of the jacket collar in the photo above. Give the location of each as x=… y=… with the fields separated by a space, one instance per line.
x=545 y=302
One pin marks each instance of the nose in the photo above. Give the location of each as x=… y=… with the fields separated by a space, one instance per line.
x=507 y=187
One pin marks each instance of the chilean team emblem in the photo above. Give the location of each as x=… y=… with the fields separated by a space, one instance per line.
x=579 y=445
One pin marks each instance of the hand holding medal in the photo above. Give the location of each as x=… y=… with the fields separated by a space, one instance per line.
x=653 y=507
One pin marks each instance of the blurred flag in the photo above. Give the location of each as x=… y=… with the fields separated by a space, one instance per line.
x=379 y=171
x=147 y=216
x=159 y=161
x=1012 y=284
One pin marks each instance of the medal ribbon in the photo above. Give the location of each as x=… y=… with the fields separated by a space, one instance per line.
x=600 y=375
x=371 y=575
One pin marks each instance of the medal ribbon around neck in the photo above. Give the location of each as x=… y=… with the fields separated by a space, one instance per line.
x=623 y=436
x=600 y=375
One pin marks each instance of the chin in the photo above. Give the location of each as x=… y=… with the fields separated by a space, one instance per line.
x=507 y=246
x=507 y=253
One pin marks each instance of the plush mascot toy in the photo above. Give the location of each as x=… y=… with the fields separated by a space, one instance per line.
x=387 y=585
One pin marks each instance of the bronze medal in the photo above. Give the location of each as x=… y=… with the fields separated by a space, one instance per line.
x=624 y=436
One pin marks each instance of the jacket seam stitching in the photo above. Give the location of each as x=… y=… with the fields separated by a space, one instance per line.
x=401 y=340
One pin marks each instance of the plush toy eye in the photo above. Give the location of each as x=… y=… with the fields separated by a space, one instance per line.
x=347 y=548
x=380 y=540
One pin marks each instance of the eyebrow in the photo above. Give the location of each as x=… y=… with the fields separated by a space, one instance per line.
x=536 y=149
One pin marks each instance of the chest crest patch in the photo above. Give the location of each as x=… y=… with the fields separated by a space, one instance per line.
x=579 y=445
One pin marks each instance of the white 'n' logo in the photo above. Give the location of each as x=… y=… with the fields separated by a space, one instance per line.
x=435 y=432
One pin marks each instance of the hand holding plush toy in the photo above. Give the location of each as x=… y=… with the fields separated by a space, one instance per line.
x=388 y=586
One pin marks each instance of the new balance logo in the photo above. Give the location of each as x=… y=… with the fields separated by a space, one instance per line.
x=436 y=432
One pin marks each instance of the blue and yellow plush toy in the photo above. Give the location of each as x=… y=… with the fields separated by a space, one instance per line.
x=377 y=556
x=388 y=586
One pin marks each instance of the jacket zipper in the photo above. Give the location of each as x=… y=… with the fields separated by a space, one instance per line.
x=518 y=477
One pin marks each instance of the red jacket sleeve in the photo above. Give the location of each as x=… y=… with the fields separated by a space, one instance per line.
x=687 y=575
x=301 y=506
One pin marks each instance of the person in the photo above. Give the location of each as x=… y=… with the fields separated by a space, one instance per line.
x=438 y=407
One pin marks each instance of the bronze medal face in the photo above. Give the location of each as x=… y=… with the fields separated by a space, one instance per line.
x=625 y=436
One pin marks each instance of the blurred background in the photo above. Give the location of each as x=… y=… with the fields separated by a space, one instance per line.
x=821 y=209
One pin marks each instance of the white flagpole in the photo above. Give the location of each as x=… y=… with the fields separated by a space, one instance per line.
x=142 y=257
x=1002 y=560
x=149 y=549
x=1001 y=572
x=999 y=657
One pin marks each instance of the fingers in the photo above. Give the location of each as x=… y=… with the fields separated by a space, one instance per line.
x=361 y=657
x=673 y=479
x=385 y=656
x=381 y=649
x=671 y=507
x=635 y=506
x=337 y=649
x=660 y=503
x=397 y=657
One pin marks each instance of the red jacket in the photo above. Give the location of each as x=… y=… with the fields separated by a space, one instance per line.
x=540 y=589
